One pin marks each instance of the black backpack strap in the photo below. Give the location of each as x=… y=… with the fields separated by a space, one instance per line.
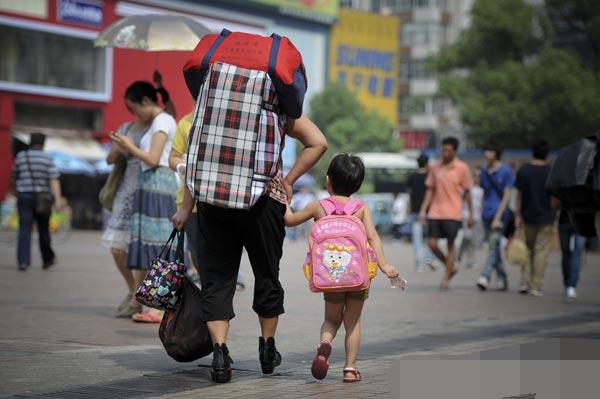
x=273 y=54
x=211 y=51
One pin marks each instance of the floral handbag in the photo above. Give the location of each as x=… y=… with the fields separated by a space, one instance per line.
x=161 y=289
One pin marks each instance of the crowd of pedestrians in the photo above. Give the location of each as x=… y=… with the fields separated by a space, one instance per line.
x=508 y=205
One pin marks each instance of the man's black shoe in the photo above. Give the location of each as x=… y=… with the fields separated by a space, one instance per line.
x=268 y=355
x=221 y=364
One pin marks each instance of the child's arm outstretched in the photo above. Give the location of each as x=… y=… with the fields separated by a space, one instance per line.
x=292 y=219
x=376 y=244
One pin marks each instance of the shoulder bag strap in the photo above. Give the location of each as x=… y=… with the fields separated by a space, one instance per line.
x=493 y=183
x=213 y=48
x=27 y=161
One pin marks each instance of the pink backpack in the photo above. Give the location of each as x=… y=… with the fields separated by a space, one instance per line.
x=339 y=258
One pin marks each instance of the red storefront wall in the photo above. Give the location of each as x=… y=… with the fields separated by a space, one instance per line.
x=128 y=66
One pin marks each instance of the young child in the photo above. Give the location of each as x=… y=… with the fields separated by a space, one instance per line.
x=344 y=177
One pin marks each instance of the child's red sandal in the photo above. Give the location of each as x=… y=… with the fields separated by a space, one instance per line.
x=320 y=364
x=351 y=375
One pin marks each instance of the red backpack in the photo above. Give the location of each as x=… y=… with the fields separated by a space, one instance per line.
x=246 y=87
x=273 y=54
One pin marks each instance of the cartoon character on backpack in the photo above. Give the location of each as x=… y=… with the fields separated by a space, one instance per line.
x=337 y=257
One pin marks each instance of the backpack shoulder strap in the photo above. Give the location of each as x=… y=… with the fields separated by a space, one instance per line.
x=328 y=206
x=333 y=207
x=352 y=206
x=273 y=55
x=211 y=51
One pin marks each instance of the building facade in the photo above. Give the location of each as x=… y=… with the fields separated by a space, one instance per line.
x=424 y=117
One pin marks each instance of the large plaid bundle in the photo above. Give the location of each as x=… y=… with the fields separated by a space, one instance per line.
x=237 y=137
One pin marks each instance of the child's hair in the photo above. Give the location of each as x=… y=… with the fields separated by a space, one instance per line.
x=346 y=173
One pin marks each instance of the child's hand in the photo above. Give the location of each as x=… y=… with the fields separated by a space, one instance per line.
x=390 y=270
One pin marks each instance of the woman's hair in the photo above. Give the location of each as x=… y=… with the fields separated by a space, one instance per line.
x=140 y=89
x=346 y=173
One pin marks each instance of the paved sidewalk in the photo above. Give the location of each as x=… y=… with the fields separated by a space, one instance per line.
x=59 y=337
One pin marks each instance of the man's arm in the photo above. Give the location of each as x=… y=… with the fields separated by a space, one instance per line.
x=469 y=201
x=183 y=213
x=56 y=191
x=315 y=145
x=503 y=205
x=518 y=210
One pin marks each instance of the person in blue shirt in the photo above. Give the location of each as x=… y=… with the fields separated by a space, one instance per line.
x=497 y=182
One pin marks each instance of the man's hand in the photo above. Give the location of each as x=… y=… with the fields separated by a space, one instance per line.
x=496 y=224
x=61 y=205
x=422 y=217
x=180 y=217
x=470 y=221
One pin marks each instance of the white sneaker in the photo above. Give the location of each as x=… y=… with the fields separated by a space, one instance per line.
x=537 y=293
x=482 y=283
x=570 y=293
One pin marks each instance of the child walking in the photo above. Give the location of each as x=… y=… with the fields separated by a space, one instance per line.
x=344 y=178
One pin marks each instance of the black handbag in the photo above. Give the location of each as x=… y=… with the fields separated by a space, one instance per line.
x=182 y=332
x=43 y=200
x=509 y=225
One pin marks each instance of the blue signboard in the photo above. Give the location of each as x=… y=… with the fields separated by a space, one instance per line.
x=87 y=12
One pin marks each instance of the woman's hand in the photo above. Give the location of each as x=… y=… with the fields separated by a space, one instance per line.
x=125 y=143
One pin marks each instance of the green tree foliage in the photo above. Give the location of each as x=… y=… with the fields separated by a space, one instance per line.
x=348 y=126
x=576 y=25
x=521 y=83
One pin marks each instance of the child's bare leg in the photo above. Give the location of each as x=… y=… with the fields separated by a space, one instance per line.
x=329 y=328
x=352 y=314
x=334 y=313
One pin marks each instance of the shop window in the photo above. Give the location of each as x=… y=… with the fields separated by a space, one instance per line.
x=52 y=61
x=58 y=116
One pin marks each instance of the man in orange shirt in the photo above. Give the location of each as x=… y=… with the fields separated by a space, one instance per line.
x=449 y=183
